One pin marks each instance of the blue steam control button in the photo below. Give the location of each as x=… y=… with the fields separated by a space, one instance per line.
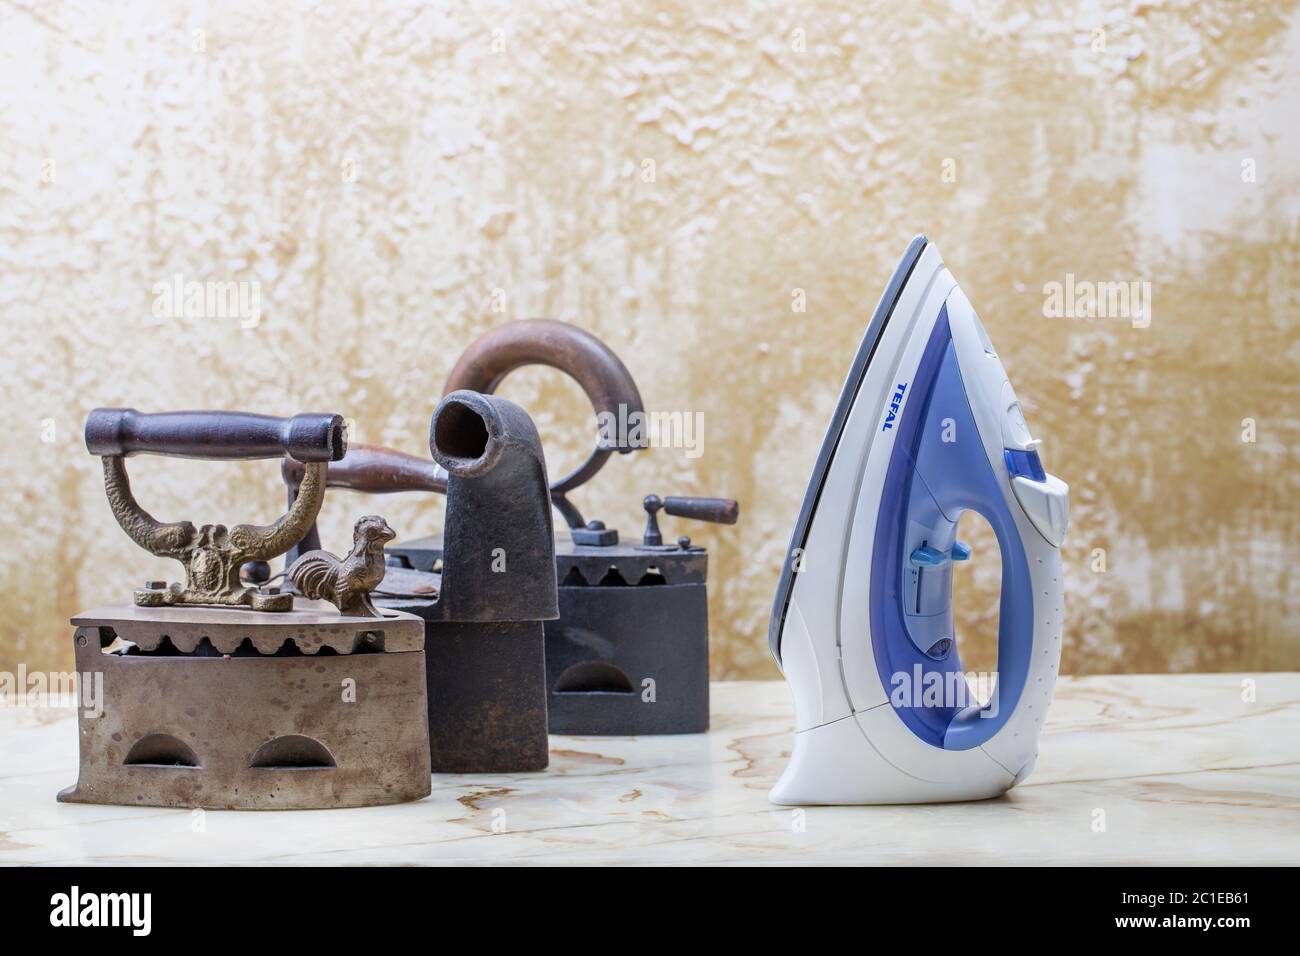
x=928 y=557
x=1024 y=464
x=960 y=551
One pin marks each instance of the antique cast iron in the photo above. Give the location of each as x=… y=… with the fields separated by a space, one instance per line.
x=629 y=652
x=208 y=701
x=485 y=606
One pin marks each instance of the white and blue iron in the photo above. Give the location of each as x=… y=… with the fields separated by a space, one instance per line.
x=927 y=427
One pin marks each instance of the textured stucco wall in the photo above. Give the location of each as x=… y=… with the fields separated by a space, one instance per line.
x=389 y=173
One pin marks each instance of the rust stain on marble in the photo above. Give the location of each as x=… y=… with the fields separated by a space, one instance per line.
x=7 y=843
x=471 y=801
x=1161 y=791
x=764 y=755
x=586 y=757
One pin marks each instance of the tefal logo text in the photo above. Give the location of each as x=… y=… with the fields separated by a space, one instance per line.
x=895 y=404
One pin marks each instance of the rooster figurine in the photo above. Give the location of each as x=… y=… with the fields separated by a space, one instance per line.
x=347 y=583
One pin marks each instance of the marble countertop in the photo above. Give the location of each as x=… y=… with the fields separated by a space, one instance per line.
x=1132 y=770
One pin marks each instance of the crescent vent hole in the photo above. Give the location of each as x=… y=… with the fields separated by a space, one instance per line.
x=161 y=750
x=593 y=677
x=292 y=752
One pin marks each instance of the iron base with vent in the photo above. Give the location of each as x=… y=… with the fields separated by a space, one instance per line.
x=629 y=653
x=239 y=710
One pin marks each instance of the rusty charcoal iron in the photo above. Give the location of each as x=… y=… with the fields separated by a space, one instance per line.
x=629 y=653
x=495 y=585
x=222 y=695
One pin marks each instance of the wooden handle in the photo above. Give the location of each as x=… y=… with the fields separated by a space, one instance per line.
x=717 y=510
x=122 y=432
x=377 y=471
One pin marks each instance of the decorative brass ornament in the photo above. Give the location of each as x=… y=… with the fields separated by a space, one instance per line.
x=346 y=582
x=212 y=555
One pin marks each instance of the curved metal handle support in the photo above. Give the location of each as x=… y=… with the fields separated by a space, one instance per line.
x=580 y=355
x=165 y=539
x=263 y=542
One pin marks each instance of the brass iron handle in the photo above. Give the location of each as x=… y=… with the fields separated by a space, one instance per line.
x=212 y=554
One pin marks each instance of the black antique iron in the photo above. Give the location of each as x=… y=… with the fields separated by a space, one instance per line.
x=224 y=695
x=629 y=651
x=485 y=600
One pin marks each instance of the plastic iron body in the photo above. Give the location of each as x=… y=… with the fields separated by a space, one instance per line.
x=927 y=427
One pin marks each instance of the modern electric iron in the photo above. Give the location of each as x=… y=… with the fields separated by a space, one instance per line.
x=926 y=428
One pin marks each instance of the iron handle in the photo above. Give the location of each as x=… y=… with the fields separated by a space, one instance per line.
x=123 y=432
x=717 y=510
x=376 y=470
x=584 y=358
x=577 y=353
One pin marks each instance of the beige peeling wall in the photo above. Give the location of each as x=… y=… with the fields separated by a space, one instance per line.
x=677 y=178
